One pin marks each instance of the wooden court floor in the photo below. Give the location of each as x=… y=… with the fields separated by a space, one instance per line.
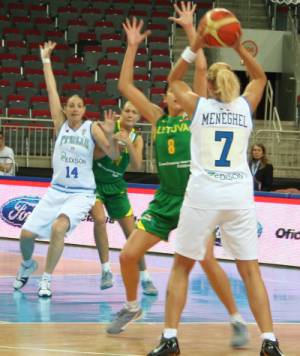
x=73 y=322
x=137 y=340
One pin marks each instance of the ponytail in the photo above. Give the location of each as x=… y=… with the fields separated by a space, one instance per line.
x=225 y=84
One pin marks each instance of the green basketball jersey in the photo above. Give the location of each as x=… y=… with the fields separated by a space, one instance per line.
x=107 y=170
x=172 y=144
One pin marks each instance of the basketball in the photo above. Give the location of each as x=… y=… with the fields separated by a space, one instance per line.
x=220 y=28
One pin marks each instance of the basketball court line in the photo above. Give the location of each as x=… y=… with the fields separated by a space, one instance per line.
x=61 y=351
x=142 y=322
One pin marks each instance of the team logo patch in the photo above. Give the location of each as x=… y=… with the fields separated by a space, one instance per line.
x=218 y=237
x=15 y=211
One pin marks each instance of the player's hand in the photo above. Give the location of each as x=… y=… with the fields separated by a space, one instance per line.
x=108 y=125
x=134 y=33
x=185 y=13
x=47 y=49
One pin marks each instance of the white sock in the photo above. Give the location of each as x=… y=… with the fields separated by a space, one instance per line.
x=145 y=276
x=237 y=317
x=169 y=333
x=132 y=306
x=27 y=263
x=106 y=267
x=47 y=276
x=269 y=336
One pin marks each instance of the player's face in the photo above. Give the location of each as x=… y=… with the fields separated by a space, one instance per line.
x=257 y=152
x=129 y=115
x=74 y=109
x=173 y=105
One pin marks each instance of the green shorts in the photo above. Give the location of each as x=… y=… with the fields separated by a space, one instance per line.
x=162 y=215
x=115 y=199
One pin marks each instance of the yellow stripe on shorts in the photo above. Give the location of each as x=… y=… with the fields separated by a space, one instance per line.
x=130 y=212
x=140 y=225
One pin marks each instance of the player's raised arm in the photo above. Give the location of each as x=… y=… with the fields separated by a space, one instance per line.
x=255 y=89
x=56 y=110
x=135 y=36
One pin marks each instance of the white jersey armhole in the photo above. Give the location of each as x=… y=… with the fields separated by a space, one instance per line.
x=194 y=117
x=249 y=105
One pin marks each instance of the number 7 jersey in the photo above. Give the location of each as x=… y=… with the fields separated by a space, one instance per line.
x=73 y=159
x=220 y=175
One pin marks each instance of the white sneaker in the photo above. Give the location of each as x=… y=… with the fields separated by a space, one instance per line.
x=23 y=274
x=45 y=288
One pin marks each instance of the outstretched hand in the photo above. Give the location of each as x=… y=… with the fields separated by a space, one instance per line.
x=108 y=125
x=185 y=13
x=134 y=32
x=47 y=49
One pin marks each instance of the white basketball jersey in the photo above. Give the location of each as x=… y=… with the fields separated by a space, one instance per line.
x=220 y=176
x=73 y=159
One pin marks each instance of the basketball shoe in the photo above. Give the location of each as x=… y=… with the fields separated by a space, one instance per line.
x=44 y=288
x=23 y=274
x=107 y=280
x=149 y=288
x=123 y=318
x=270 y=348
x=166 y=347
x=240 y=336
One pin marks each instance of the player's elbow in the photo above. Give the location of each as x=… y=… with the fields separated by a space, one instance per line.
x=121 y=86
x=264 y=79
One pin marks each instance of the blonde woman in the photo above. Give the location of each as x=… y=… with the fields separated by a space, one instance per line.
x=111 y=193
x=220 y=188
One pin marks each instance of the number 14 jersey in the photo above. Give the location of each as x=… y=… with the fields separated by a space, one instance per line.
x=73 y=159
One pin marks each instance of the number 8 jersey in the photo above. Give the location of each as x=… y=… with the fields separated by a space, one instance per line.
x=73 y=159
x=220 y=175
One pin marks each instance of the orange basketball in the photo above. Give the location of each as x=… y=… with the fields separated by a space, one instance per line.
x=220 y=28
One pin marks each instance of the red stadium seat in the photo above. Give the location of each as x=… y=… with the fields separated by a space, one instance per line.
x=92 y=115
x=17 y=112
x=44 y=114
x=108 y=102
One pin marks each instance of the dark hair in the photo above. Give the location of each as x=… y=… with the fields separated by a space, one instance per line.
x=264 y=159
x=74 y=96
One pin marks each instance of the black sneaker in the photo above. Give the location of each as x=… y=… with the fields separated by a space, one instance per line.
x=166 y=347
x=270 y=348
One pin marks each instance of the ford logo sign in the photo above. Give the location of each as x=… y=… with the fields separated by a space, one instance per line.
x=15 y=211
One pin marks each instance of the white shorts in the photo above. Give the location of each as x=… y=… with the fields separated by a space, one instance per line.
x=238 y=230
x=54 y=203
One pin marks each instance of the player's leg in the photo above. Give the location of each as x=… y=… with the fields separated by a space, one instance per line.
x=221 y=285
x=28 y=265
x=128 y=225
x=101 y=240
x=240 y=237
x=73 y=209
x=136 y=246
x=38 y=223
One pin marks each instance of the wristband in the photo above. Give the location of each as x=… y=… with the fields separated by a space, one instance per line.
x=188 y=55
x=46 y=60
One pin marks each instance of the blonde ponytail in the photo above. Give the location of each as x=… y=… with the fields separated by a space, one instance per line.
x=225 y=84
